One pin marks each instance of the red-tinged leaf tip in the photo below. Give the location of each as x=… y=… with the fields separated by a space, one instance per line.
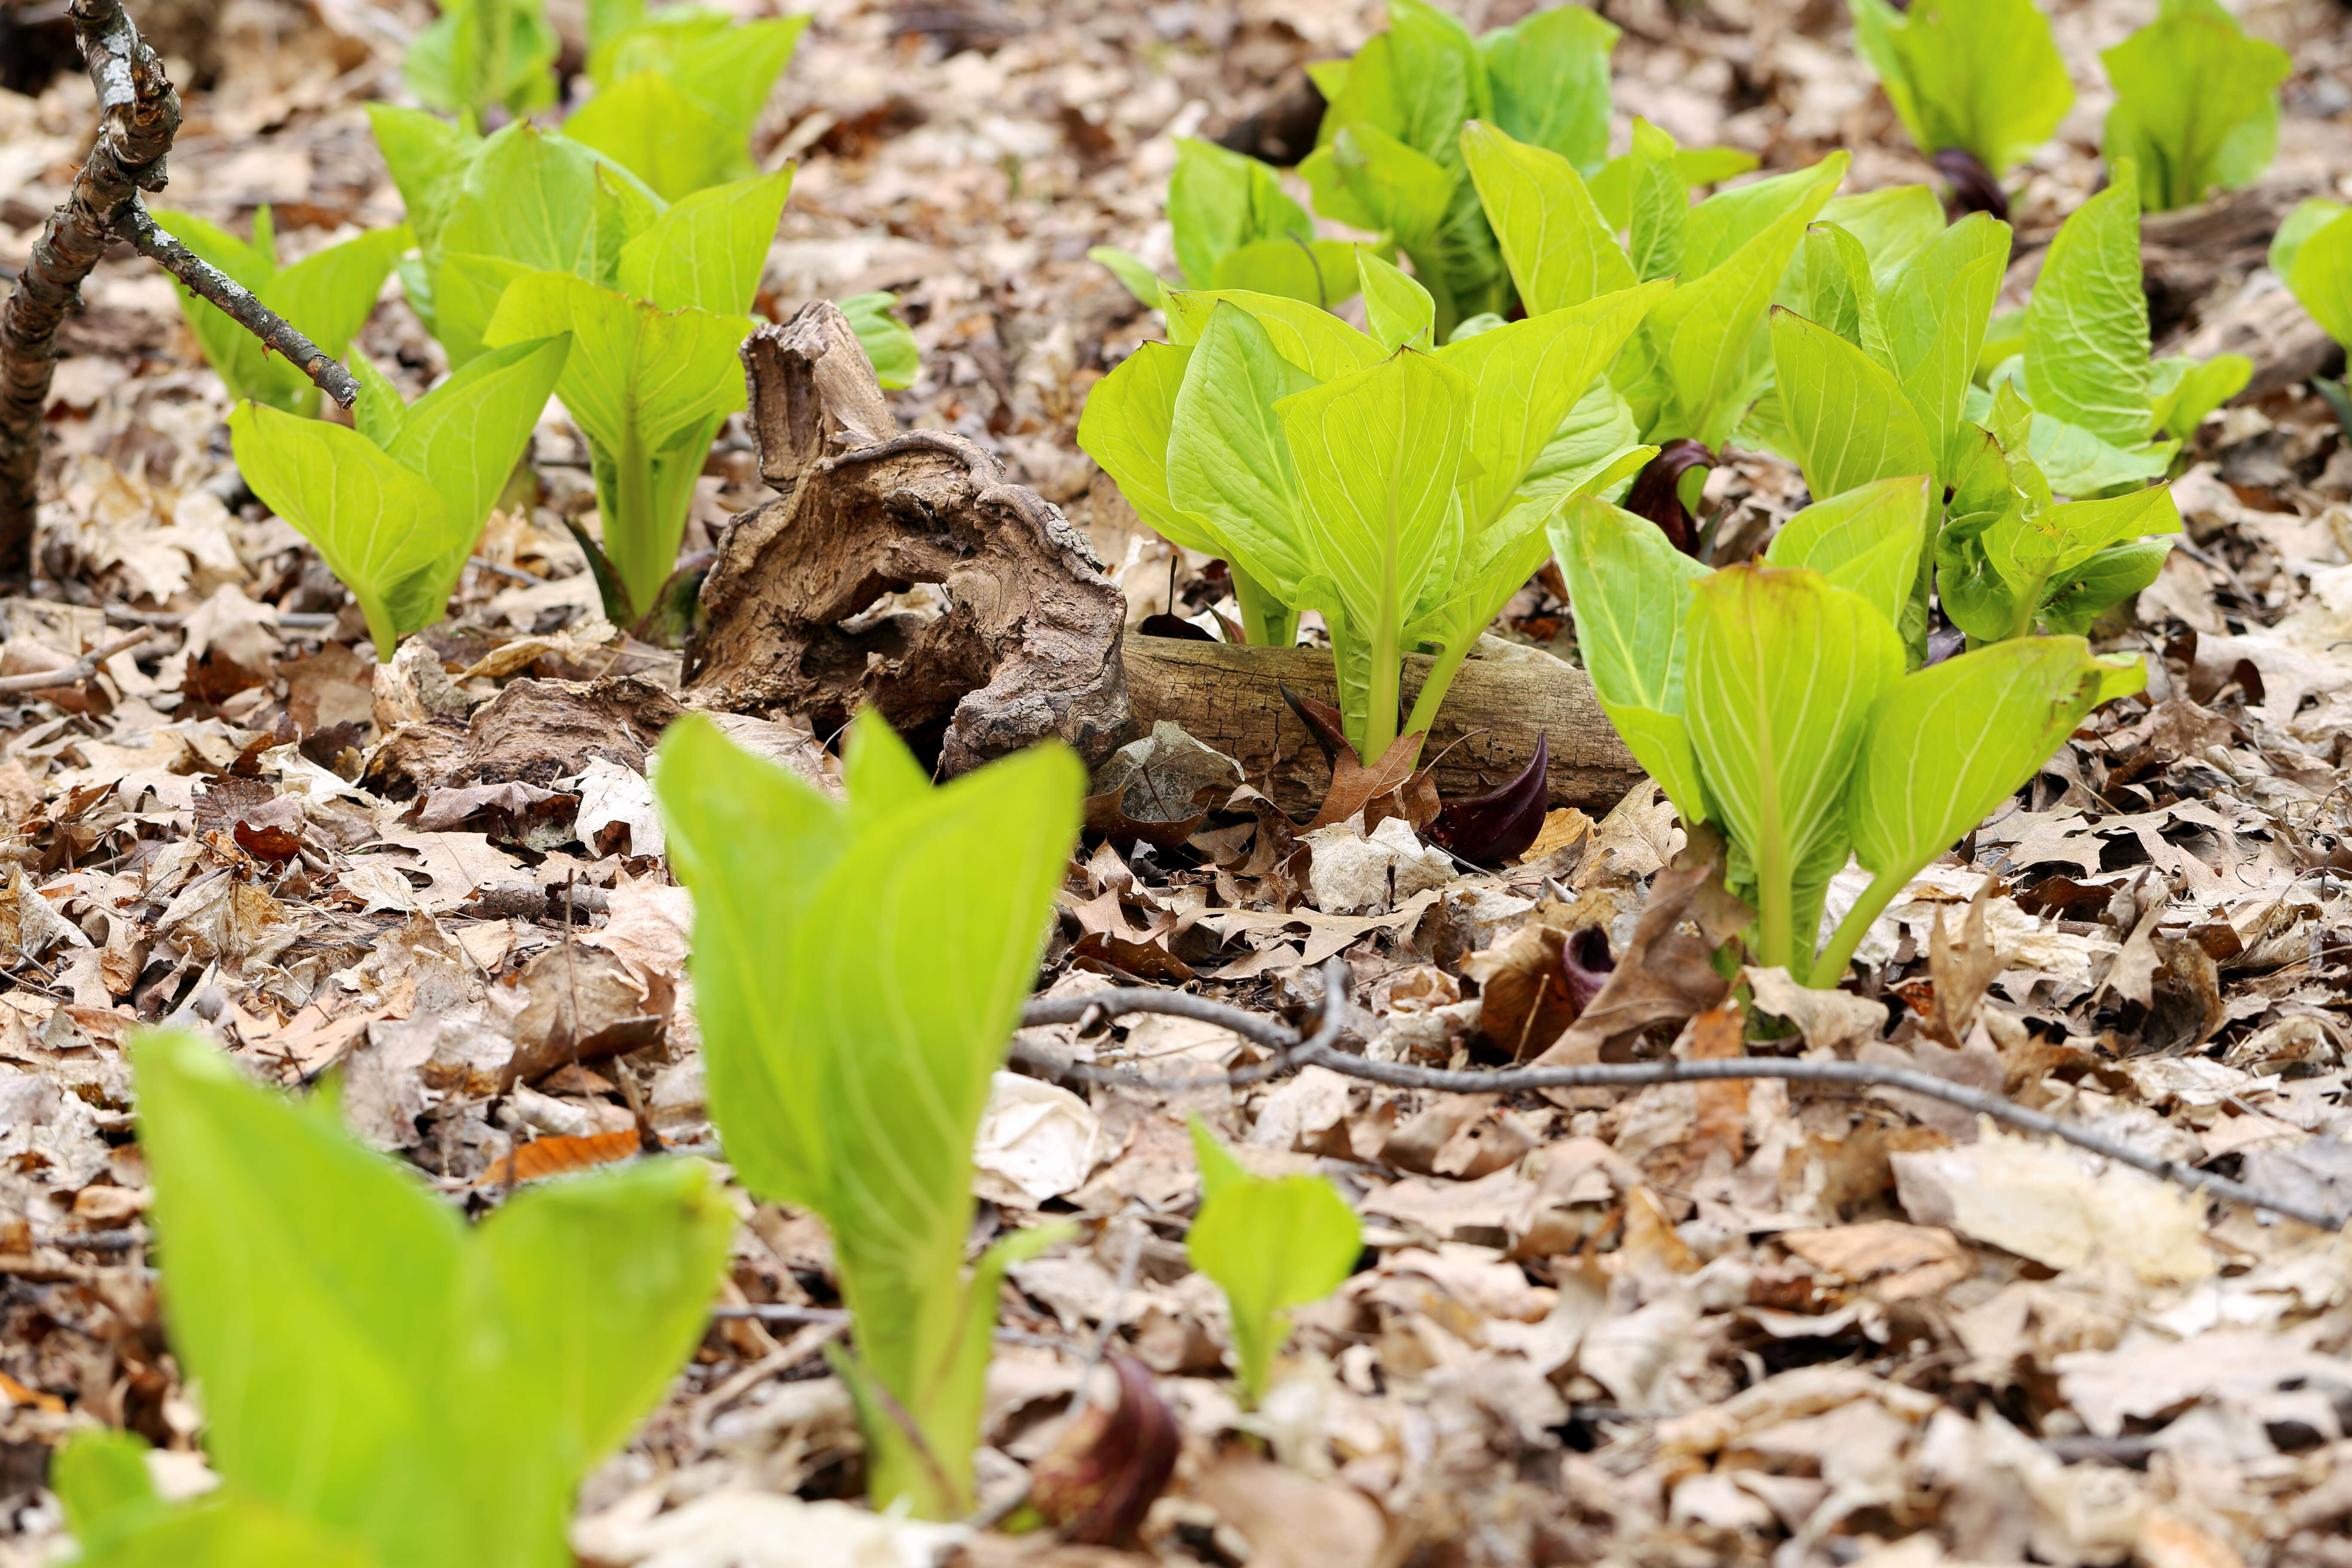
x=1492 y=829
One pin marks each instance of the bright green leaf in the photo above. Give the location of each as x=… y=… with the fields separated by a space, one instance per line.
x=2086 y=326
x=2196 y=103
x=1270 y=1243
x=1848 y=415
x=889 y=345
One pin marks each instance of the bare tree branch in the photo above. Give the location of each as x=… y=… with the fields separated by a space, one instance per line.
x=1292 y=1051
x=140 y=114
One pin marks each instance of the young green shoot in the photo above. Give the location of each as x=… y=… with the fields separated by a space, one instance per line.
x=1270 y=1243
x=449 y=1387
x=858 y=967
x=395 y=504
x=2197 y=106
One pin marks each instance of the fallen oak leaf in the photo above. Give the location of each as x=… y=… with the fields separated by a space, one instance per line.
x=544 y=1157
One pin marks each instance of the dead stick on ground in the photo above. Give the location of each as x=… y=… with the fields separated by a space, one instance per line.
x=1319 y=1051
x=82 y=668
x=140 y=114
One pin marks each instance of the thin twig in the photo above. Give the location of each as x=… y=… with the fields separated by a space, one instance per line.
x=235 y=301
x=138 y=116
x=1319 y=1052
x=79 y=669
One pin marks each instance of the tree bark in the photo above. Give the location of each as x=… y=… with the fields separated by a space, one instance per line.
x=139 y=112
x=1230 y=697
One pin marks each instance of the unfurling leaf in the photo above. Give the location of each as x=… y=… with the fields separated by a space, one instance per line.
x=858 y=967
x=395 y=506
x=1270 y=1243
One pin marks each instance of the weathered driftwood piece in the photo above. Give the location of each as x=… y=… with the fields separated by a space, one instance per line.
x=1029 y=646
x=140 y=115
x=1230 y=697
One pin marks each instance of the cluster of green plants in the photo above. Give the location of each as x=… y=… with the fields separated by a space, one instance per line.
x=382 y=1386
x=1398 y=488
x=1770 y=698
x=1980 y=84
x=636 y=234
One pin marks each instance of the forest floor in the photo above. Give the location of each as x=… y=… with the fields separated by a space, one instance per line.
x=1690 y=1325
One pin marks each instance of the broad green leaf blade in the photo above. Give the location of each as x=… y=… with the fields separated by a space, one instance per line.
x=861 y=970
x=1894 y=225
x=1272 y=1245
x=1321 y=273
x=1377 y=454
x=1832 y=287
x=1314 y=340
x=587 y=1297
x=1406 y=192
x=482 y=54
x=889 y=346
x=428 y=157
x=2087 y=590
x=1141 y=281
x=707 y=251
x=1229 y=462
x=1440 y=80
x=100 y=1476
x=2086 y=326
x=1549 y=75
x=638 y=380
x=1397 y=311
x=226 y=1529
x=1219 y=201
x=1983 y=75
x=1867 y=539
x=1935 y=317
x=379 y=527
x=1124 y=427
x=1661 y=205
x=1847 y=415
x=378 y=414
x=465 y=435
x=652 y=127
x=1219 y=1169
x=1947 y=743
x=1528 y=375
x=2197 y=390
x=755 y=844
x=1701 y=334
x=1613 y=187
x=1560 y=248
x=2313 y=253
x=529 y=203
x=1631 y=594
x=273 y=1213
x=1782 y=672
x=1597 y=433
x=1719 y=225
x=729 y=70
x=2186 y=85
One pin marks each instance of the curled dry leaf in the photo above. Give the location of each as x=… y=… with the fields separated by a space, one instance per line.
x=1110 y=1463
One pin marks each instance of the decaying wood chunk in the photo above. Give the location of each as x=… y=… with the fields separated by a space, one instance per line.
x=532 y=731
x=1230 y=697
x=1028 y=646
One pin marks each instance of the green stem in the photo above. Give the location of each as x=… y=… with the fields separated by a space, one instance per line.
x=1267 y=621
x=1433 y=691
x=630 y=535
x=2029 y=609
x=1831 y=965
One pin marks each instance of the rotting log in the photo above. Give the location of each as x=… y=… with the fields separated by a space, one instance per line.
x=1028 y=646
x=1230 y=697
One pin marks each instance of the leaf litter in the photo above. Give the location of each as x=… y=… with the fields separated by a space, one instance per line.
x=1716 y=1321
